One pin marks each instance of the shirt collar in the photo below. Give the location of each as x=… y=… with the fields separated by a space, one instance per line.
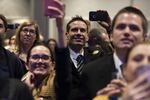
x=118 y=63
x=74 y=55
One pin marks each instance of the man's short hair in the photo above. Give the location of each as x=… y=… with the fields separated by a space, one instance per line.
x=136 y=11
x=76 y=18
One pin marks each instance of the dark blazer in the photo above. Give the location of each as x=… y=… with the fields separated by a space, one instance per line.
x=68 y=78
x=10 y=65
x=97 y=74
x=12 y=89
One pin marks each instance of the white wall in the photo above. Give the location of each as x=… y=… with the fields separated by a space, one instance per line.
x=21 y=8
x=144 y=5
x=15 y=8
x=82 y=7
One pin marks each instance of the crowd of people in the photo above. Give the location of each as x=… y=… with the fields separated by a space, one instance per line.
x=92 y=64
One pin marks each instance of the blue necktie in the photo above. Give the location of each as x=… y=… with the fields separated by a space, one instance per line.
x=80 y=63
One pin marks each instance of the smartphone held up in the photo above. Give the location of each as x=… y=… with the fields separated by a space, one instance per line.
x=100 y=15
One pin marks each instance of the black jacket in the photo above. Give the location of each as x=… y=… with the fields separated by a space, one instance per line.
x=67 y=77
x=12 y=89
x=10 y=65
x=97 y=74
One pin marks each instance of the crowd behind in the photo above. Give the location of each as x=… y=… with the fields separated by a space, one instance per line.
x=96 y=64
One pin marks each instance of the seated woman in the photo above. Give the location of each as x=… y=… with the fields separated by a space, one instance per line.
x=136 y=72
x=41 y=74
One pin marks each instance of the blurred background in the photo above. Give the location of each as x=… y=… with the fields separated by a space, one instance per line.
x=18 y=11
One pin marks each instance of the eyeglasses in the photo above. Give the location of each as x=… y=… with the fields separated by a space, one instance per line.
x=37 y=57
x=77 y=29
x=132 y=27
x=26 y=30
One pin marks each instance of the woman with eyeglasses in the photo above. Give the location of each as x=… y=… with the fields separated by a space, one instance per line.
x=26 y=36
x=41 y=74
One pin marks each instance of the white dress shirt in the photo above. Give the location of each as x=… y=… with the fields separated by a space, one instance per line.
x=74 y=55
x=118 y=63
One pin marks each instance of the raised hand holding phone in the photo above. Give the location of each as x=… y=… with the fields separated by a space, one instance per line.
x=54 y=8
x=102 y=17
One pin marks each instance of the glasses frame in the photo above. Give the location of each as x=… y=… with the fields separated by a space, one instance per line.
x=40 y=56
x=27 y=30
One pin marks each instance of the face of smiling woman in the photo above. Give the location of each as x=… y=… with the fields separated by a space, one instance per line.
x=40 y=62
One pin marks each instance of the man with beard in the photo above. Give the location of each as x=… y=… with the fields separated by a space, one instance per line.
x=128 y=28
x=10 y=65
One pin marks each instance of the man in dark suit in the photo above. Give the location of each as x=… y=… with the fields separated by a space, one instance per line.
x=10 y=65
x=128 y=27
x=68 y=69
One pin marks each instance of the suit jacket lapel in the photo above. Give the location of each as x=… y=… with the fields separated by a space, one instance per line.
x=113 y=69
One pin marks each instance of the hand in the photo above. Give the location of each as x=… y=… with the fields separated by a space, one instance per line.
x=116 y=87
x=59 y=14
x=56 y=9
x=28 y=79
x=106 y=24
x=139 y=89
